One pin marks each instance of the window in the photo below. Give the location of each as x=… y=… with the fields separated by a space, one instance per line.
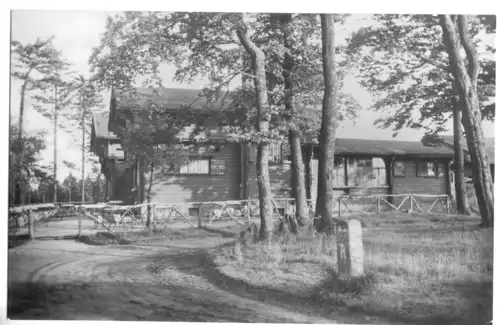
x=440 y=170
x=428 y=169
x=363 y=172
x=339 y=171
x=398 y=169
x=191 y=166
x=275 y=152
x=379 y=173
x=364 y=162
x=285 y=151
x=194 y=212
x=195 y=166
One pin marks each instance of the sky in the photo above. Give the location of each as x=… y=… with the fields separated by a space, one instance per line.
x=77 y=32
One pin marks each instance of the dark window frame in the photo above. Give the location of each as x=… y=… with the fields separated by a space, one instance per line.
x=394 y=168
x=427 y=162
x=194 y=211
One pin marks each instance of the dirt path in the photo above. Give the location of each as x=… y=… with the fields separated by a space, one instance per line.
x=70 y=280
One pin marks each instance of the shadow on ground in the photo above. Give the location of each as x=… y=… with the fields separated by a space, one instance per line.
x=316 y=304
x=201 y=264
x=186 y=285
x=18 y=240
x=138 y=302
x=221 y=232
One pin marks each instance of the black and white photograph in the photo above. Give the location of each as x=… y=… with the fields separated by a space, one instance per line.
x=251 y=167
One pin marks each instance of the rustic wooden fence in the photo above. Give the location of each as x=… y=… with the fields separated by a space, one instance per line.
x=238 y=211
x=394 y=203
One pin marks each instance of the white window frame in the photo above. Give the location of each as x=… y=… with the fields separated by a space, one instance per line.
x=192 y=166
x=379 y=171
x=339 y=170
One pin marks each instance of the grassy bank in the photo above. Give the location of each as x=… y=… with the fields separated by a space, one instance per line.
x=419 y=268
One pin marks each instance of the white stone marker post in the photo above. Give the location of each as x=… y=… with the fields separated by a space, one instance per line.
x=31 y=224
x=79 y=216
x=350 y=251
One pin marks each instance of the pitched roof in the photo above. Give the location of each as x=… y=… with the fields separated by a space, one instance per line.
x=389 y=147
x=489 y=146
x=167 y=98
x=176 y=98
x=342 y=145
x=100 y=126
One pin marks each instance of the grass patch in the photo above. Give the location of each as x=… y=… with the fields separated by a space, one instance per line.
x=431 y=269
x=144 y=236
x=104 y=238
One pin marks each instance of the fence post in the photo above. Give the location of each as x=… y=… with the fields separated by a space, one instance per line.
x=151 y=207
x=378 y=204
x=199 y=216
x=31 y=225
x=153 y=216
x=248 y=211
x=79 y=224
x=340 y=200
x=411 y=203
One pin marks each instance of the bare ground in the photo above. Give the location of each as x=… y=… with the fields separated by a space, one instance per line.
x=170 y=281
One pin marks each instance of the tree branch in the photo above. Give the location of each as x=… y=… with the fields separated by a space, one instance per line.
x=433 y=62
x=249 y=45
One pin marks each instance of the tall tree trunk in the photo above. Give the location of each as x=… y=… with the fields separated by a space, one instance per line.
x=19 y=194
x=21 y=109
x=460 y=197
x=298 y=176
x=325 y=202
x=148 y=193
x=299 y=179
x=263 y=118
x=309 y=151
x=55 y=144
x=83 y=153
x=455 y=35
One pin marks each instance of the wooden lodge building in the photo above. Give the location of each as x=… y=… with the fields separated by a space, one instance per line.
x=218 y=170
x=490 y=154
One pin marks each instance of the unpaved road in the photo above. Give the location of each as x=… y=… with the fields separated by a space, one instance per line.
x=56 y=279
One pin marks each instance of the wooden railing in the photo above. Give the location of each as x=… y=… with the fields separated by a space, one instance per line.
x=242 y=211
